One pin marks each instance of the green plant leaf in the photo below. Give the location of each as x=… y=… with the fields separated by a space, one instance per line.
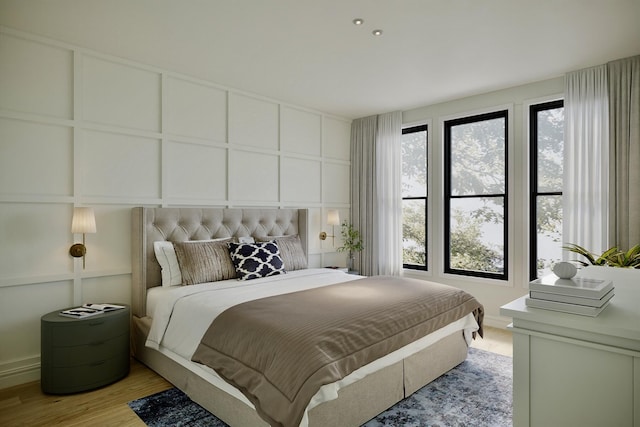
x=351 y=240
x=612 y=257
x=572 y=247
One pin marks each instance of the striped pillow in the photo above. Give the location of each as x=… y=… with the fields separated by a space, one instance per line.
x=290 y=250
x=202 y=262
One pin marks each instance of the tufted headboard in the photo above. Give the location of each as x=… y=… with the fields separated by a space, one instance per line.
x=182 y=224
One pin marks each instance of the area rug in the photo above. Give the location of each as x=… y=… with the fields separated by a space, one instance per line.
x=478 y=392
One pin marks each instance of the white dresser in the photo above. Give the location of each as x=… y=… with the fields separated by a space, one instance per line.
x=571 y=370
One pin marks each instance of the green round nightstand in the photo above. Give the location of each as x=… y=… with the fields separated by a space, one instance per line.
x=83 y=354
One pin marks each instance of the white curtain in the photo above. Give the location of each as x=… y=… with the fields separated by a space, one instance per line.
x=586 y=159
x=375 y=192
x=389 y=170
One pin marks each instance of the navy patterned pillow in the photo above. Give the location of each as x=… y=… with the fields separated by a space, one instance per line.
x=255 y=260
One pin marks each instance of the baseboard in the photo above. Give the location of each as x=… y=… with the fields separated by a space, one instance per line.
x=497 y=321
x=19 y=372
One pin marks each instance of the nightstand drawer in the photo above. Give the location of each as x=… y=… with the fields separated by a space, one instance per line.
x=88 y=353
x=89 y=330
x=85 y=377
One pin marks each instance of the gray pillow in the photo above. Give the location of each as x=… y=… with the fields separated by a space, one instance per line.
x=291 y=251
x=202 y=262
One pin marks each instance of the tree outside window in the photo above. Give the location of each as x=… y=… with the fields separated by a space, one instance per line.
x=475 y=210
x=414 y=197
x=546 y=154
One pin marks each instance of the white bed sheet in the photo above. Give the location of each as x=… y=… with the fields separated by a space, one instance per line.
x=182 y=314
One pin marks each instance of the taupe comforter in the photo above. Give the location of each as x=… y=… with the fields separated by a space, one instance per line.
x=280 y=350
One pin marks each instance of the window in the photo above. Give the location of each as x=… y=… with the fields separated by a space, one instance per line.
x=546 y=126
x=414 y=197
x=475 y=195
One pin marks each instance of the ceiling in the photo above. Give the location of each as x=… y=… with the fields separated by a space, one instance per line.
x=309 y=53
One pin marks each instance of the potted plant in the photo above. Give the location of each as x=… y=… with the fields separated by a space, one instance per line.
x=351 y=242
x=612 y=257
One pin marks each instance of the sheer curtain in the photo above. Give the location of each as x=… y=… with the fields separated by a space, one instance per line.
x=586 y=159
x=624 y=119
x=375 y=192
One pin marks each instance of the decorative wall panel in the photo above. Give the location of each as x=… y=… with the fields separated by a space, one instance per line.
x=30 y=150
x=109 y=248
x=253 y=176
x=121 y=95
x=253 y=122
x=300 y=180
x=334 y=177
x=20 y=322
x=300 y=132
x=36 y=78
x=107 y=288
x=195 y=110
x=35 y=239
x=336 y=138
x=196 y=172
x=117 y=165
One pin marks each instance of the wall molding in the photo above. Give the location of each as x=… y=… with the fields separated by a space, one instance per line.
x=19 y=372
x=119 y=133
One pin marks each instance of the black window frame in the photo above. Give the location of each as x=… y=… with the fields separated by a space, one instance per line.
x=425 y=267
x=533 y=181
x=448 y=125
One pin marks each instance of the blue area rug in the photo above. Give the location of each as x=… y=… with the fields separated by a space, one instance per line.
x=478 y=392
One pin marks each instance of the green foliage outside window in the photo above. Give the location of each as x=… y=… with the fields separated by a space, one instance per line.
x=549 y=146
x=478 y=168
x=414 y=194
x=478 y=180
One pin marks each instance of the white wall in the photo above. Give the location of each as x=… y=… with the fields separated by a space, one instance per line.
x=78 y=128
x=491 y=293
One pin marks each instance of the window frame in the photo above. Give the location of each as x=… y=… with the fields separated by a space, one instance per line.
x=447 y=126
x=414 y=129
x=534 y=109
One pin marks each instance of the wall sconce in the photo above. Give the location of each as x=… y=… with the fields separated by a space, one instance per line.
x=333 y=219
x=84 y=221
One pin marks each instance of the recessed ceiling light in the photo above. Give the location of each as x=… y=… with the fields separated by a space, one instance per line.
x=358 y=21
x=377 y=32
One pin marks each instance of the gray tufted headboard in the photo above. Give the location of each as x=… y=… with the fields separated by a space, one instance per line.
x=182 y=224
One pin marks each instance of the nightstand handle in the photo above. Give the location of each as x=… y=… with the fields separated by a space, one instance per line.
x=94 y=323
x=102 y=362
x=96 y=343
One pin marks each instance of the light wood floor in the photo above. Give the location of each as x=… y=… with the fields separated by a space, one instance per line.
x=496 y=341
x=26 y=405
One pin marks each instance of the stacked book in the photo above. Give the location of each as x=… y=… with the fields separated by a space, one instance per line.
x=578 y=295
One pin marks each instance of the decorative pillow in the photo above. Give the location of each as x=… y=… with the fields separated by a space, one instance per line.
x=255 y=260
x=205 y=261
x=246 y=239
x=166 y=256
x=291 y=251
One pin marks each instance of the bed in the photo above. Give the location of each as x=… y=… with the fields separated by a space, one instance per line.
x=161 y=340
